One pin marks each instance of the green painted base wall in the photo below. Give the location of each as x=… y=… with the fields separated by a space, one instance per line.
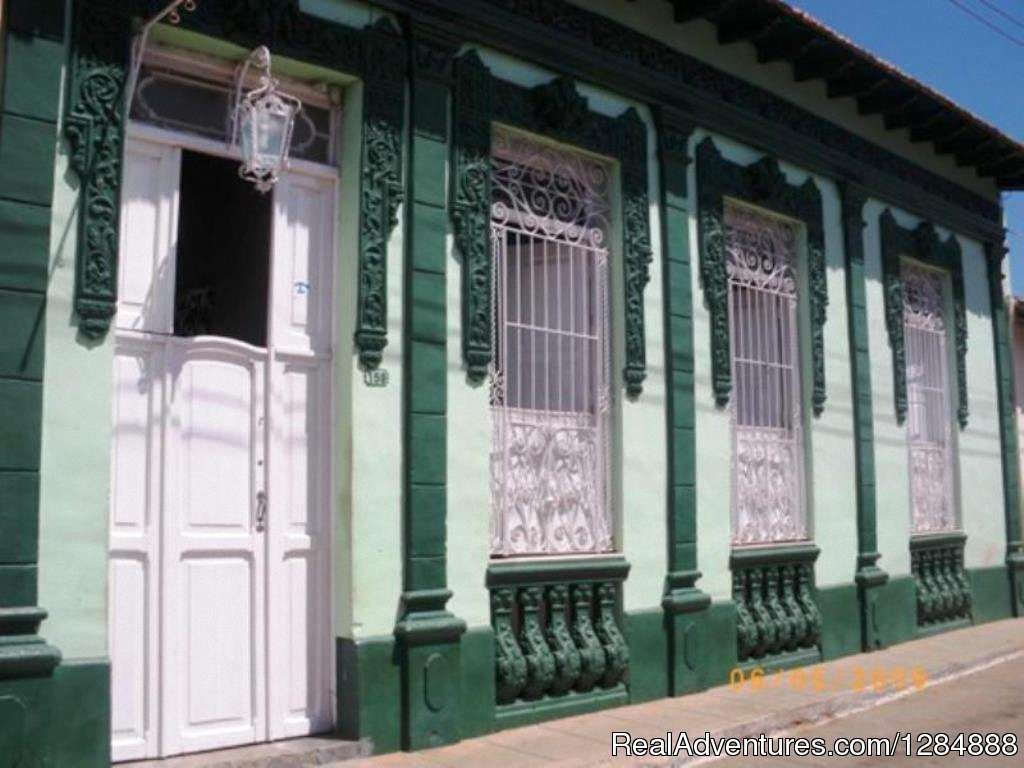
x=647 y=639
x=476 y=702
x=897 y=611
x=991 y=598
x=370 y=692
x=58 y=721
x=840 y=621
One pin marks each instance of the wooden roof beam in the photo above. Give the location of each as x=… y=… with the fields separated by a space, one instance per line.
x=1013 y=167
x=828 y=69
x=942 y=126
x=689 y=10
x=818 y=59
x=785 y=44
x=734 y=27
x=889 y=96
x=978 y=150
x=989 y=159
x=915 y=111
x=854 y=84
x=1010 y=182
x=956 y=140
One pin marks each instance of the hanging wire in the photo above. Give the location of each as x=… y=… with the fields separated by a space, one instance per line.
x=1008 y=16
x=978 y=17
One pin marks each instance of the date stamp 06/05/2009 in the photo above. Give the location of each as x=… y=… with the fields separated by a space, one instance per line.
x=878 y=679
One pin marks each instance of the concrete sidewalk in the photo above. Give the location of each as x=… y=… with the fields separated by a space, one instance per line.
x=779 y=703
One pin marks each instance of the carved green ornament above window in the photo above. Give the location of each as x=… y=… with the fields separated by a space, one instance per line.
x=554 y=110
x=923 y=244
x=762 y=184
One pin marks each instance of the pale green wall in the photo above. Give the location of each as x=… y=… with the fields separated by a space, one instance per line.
x=831 y=499
x=891 y=469
x=699 y=39
x=75 y=461
x=639 y=452
x=368 y=425
x=979 y=448
x=979 y=471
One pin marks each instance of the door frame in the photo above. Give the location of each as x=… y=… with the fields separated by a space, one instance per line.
x=327 y=583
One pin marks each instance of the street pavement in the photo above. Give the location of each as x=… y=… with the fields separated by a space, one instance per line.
x=988 y=701
x=970 y=680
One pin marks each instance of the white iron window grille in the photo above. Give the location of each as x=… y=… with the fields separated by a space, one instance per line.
x=767 y=411
x=929 y=415
x=550 y=397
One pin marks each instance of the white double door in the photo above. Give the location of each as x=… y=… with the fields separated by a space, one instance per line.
x=219 y=537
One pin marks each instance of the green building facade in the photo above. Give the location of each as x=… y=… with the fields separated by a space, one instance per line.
x=427 y=618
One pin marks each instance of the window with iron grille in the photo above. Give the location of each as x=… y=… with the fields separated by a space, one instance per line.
x=550 y=397
x=929 y=414
x=767 y=406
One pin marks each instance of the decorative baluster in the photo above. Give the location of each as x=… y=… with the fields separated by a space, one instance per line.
x=924 y=592
x=746 y=628
x=540 y=664
x=509 y=661
x=567 y=657
x=806 y=601
x=798 y=621
x=950 y=590
x=931 y=592
x=783 y=627
x=923 y=598
x=962 y=582
x=616 y=651
x=765 y=625
x=592 y=661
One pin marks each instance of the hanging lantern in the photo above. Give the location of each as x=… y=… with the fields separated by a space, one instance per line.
x=264 y=118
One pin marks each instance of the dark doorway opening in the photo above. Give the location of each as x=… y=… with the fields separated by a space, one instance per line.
x=223 y=257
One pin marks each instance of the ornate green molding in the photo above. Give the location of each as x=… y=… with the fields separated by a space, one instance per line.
x=576 y=650
x=761 y=183
x=921 y=243
x=381 y=190
x=943 y=591
x=554 y=110
x=777 y=618
x=1009 y=455
x=95 y=125
x=94 y=128
x=470 y=207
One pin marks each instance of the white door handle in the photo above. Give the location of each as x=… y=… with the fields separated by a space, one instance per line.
x=261 y=510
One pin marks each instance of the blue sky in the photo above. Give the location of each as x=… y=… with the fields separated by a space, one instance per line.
x=941 y=45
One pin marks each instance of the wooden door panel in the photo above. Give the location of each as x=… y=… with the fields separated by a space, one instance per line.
x=149 y=231
x=214 y=663
x=135 y=548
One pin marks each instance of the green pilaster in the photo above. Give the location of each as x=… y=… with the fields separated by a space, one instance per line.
x=684 y=604
x=428 y=635
x=869 y=576
x=1007 y=426
x=33 y=48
